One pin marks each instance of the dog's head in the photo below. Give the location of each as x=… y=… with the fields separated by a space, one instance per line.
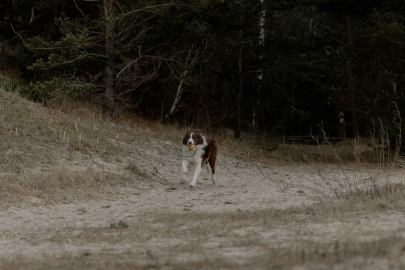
x=193 y=137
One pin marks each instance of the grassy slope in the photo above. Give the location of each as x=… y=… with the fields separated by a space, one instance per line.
x=68 y=151
x=49 y=151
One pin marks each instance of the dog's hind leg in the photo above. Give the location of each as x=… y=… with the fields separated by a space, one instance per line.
x=208 y=167
x=212 y=165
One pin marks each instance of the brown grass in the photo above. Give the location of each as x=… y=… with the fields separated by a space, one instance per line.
x=68 y=152
x=69 y=137
x=50 y=154
x=66 y=137
x=57 y=183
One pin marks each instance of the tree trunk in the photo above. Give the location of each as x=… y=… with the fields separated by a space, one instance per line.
x=256 y=99
x=350 y=79
x=240 y=88
x=109 y=52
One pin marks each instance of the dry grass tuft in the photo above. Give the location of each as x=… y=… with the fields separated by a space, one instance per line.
x=57 y=183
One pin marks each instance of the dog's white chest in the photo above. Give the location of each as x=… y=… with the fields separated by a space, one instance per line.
x=193 y=156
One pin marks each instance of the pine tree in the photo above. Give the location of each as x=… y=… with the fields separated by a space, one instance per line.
x=105 y=52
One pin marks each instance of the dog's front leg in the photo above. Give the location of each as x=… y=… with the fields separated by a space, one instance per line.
x=184 y=165
x=197 y=171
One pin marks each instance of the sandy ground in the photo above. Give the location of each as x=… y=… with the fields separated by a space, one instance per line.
x=241 y=186
x=28 y=229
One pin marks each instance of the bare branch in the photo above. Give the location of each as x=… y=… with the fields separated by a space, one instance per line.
x=70 y=61
x=194 y=53
x=32 y=15
x=149 y=7
x=16 y=32
x=130 y=64
x=79 y=9
x=253 y=71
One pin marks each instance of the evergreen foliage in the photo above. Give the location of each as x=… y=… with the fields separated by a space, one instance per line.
x=262 y=65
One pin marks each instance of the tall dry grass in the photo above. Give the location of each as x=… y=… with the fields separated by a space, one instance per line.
x=374 y=177
x=50 y=154
x=251 y=146
x=49 y=151
x=56 y=184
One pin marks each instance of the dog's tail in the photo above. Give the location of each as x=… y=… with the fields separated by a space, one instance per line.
x=215 y=144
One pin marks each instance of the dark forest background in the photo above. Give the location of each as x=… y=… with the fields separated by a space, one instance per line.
x=261 y=66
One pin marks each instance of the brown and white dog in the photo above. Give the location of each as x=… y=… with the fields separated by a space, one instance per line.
x=199 y=150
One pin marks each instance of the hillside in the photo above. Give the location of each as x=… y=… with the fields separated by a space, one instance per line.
x=57 y=156
x=81 y=192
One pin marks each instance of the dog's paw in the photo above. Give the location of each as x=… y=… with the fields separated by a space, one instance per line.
x=214 y=180
x=184 y=169
x=191 y=185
